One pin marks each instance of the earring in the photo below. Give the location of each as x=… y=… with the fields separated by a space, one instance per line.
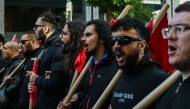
x=141 y=52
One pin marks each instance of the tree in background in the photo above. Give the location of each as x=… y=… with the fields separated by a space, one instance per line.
x=114 y=7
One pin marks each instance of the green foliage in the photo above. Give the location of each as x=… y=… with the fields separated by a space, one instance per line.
x=138 y=10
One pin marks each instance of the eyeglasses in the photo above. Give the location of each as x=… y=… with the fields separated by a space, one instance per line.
x=177 y=31
x=64 y=33
x=23 y=41
x=36 y=26
x=123 y=40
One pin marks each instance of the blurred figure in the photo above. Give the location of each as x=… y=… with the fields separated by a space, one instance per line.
x=31 y=49
x=9 y=93
x=72 y=47
x=2 y=61
x=52 y=90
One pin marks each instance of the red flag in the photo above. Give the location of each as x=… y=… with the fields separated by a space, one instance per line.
x=158 y=47
x=41 y=42
x=21 y=51
x=33 y=95
x=113 y=22
x=80 y=60
x=14 y=38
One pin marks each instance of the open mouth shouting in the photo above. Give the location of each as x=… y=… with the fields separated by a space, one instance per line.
x=119 y=56
x=85 y=46
x=171 y=50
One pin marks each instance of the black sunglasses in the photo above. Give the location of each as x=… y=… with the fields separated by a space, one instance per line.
x=123 y=40
x=36 y=26
x=23 y=41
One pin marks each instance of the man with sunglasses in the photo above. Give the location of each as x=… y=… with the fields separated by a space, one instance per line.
x=140 y=75
x=178 y=36
x=52 y=90
x=31 y=48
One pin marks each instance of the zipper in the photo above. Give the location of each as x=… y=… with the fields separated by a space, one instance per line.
x=92 y=72
x=90 y=82
x=178 y=87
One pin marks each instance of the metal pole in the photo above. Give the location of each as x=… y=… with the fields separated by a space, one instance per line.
x=69 y=10
x=87 y=12
x=2 y=17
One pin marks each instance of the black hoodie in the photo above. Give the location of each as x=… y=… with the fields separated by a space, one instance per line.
x=137 y=83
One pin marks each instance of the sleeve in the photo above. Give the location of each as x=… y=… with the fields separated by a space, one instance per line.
x=16 y=79
x=57 y=76
x=81 y=95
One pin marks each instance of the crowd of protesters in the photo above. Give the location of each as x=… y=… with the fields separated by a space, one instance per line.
x=108 y=48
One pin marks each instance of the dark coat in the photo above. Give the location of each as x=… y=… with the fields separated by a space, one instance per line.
x=28 y=65
x=9 y=94
x=3 y=62
x=51 y=91
x=136 y=83
x=103 y=72
x=177 y=96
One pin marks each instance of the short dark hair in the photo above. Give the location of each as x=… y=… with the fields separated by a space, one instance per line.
x=2 y=39
x=126 y=24
x=183 y=7
x=31 y=34
x=103 y=30
x=51 y=18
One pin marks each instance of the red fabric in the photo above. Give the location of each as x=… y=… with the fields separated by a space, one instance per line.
x=15 y=39
x=80 y=61
x=21 y=51
x=34 y=94
x=40 y=42
x=158 y=47
x=113 y=22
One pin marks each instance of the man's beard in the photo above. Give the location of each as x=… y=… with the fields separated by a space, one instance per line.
x=41 y=35
x=92 y=52
x=131 y=60
x=65 y=47
x=29 y=49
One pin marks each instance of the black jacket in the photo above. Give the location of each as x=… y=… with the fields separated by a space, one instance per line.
x=51 y=91
x=103 y=73
x=136 y=83
x=177 y=96
x=9 y=94
x=3 y=62
x=28 y=65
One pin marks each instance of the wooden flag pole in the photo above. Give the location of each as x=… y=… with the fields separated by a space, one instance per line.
x=2 y=70
x=158 y=91
x=76 y=84
x=14 y=37
x=159 y=17
x=124 y=12
x=13 y=72
x=76 y=74
x=108 y=90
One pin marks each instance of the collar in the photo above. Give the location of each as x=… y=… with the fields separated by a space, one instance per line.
x=92 y=61
x=103 y=57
